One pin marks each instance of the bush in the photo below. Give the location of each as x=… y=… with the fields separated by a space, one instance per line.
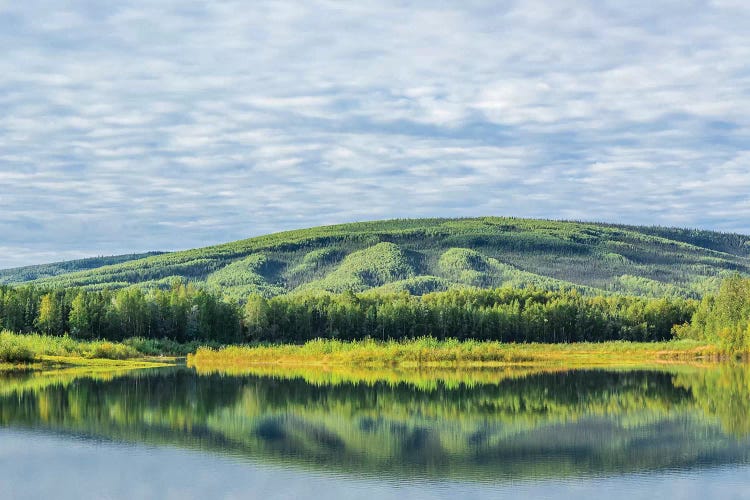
x=14 y=349
x=110 y=350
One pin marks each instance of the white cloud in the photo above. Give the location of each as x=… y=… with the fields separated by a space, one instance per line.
x=173 y=124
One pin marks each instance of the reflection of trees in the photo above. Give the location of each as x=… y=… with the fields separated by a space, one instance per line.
x=134 y=402
x=548 y=424
x=723 y=393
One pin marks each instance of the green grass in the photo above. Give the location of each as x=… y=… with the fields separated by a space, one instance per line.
x=485 y=252
x=430 y=352
x=31 y=348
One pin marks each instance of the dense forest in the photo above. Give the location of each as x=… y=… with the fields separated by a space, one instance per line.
x=186 y=313
x=507 y=315
x=428 y=255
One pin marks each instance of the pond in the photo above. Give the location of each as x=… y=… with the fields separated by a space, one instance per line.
x=681 y=432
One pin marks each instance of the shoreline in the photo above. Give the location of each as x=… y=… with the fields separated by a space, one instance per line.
x=45 y=363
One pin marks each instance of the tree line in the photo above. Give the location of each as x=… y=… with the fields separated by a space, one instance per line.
x=182 y=313
x=505 y=314
x=187 y=313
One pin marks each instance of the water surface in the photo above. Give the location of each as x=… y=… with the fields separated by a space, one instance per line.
x=172 y=433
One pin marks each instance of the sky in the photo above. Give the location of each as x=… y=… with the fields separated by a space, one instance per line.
x=138 y=125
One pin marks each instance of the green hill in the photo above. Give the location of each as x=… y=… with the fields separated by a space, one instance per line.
x=425 y=255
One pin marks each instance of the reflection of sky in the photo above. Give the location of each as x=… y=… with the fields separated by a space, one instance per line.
x=158 y=125
x=43 y=466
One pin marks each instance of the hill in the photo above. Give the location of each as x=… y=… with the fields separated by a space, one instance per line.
x=425 y=255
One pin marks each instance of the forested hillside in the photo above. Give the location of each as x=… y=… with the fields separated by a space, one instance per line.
x=31 y=273
x=426 y=255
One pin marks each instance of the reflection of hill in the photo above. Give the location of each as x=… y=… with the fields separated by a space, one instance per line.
x=520 y=425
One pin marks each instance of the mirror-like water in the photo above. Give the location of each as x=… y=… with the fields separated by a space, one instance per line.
x=173 y=433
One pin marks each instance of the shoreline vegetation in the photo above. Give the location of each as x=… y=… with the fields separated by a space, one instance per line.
x=431 y=353
x=34 y=351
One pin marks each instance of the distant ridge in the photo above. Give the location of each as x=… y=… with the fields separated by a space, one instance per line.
x=425 y=255
x=30 y=273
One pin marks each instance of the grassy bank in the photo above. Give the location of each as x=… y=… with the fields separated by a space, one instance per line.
x=32 y=349
x=429 y=352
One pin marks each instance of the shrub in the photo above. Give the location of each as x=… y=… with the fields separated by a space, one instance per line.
x=14 y=349
x=110 y=350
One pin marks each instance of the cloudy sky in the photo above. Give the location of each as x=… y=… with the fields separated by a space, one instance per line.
x=138 y=125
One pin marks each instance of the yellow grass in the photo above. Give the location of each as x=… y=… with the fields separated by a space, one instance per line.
x=428 y=352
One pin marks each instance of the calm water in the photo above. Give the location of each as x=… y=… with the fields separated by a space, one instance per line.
x=171 y=433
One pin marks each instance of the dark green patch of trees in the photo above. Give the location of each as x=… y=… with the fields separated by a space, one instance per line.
x=182 y=313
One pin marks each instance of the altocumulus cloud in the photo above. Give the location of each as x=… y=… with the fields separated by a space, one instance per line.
x=138 y=125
